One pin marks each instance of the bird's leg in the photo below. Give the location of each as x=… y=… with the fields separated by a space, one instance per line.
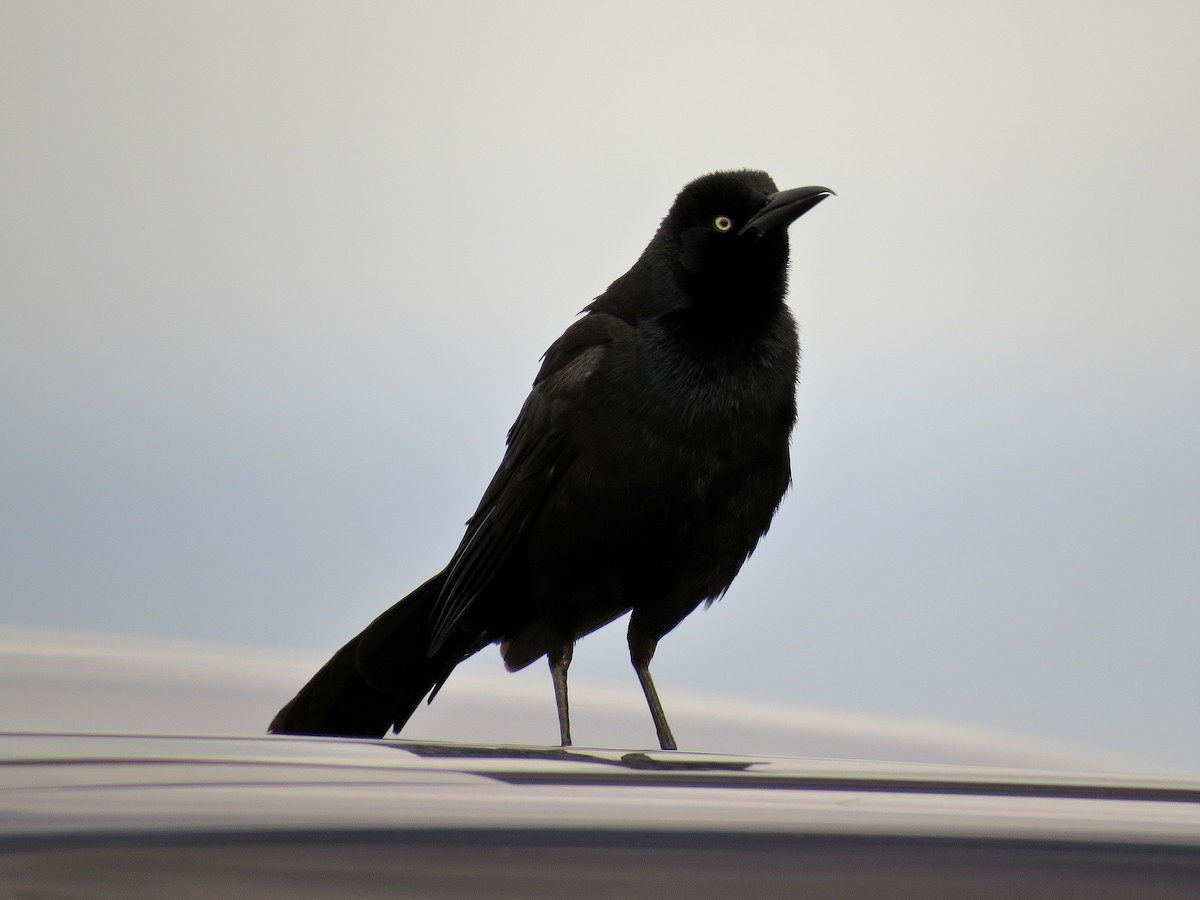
x=560 y=660
x=641 y=651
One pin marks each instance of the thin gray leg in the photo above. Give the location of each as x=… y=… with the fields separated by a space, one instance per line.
x=559 y=663
x=641 y=651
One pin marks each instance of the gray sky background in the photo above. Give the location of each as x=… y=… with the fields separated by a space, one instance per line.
x=275 y=278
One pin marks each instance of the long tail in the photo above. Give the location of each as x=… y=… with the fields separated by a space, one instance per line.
x=379 y=678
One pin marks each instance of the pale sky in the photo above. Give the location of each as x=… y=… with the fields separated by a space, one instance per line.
x=275 y=279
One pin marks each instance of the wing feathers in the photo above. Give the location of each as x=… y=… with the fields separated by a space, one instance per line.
x=539 y=451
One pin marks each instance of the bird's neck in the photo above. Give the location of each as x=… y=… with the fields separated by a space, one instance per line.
x=726 y=320
x=730 y=340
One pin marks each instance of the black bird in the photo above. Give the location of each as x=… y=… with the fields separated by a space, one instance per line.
x=646 y=463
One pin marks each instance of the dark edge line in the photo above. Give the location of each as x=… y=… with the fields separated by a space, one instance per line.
x=852 y=783
x=597 y=838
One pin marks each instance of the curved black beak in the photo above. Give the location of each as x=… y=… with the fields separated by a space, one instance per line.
x=785 y=207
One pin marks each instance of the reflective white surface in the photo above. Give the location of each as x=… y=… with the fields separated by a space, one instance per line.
x=186 y=812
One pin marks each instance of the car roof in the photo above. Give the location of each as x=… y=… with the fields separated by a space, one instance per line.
x=150 y=815
x=105 y=781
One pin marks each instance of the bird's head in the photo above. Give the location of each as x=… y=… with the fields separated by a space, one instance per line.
x=726 y=234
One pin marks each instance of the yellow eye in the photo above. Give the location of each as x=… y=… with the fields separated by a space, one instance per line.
x=722 y=223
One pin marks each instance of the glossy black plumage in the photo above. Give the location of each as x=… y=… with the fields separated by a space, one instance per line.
x=643 y=468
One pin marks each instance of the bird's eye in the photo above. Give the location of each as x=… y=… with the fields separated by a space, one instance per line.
x=722 y=223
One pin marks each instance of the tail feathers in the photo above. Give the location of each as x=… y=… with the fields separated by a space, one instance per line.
x=380 y=677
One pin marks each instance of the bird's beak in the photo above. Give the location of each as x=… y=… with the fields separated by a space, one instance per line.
x=785 y=207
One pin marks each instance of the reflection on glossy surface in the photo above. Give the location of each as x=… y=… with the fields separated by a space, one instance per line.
x=154 y=802
x=260 y=817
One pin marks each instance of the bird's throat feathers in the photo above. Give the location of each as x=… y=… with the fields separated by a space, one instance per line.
x=689 y=362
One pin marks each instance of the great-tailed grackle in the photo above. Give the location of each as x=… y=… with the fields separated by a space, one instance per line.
x=646 y=463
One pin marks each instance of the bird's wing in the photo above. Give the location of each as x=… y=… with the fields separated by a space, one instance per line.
x=540 y=448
